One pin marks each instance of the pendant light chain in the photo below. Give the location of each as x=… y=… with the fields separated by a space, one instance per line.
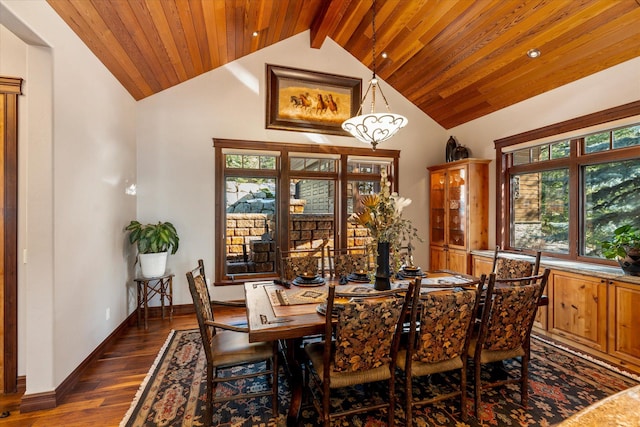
x=374 y=80
x=374 y=128
x=373 y=26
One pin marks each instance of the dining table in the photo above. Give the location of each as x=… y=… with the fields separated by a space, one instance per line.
x=288 y=313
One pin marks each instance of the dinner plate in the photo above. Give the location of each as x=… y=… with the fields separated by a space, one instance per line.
x=317 y=281
x=357 y=278
x=410 y=273
x=322 y=309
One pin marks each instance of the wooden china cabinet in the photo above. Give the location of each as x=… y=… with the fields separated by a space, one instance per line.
x=458 y=213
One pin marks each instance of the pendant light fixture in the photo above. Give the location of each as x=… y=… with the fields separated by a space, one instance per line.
x=374 y=128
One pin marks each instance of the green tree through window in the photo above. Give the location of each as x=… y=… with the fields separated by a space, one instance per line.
x=588 y=184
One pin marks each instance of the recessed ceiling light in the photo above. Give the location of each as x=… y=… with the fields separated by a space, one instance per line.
x=255 y=34
x=533 y=53
x=384 y=55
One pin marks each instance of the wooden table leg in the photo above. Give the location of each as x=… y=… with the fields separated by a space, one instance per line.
x=162 y=287
x=146 y=304
x=138 y=307
x=296 y=381
x=170 y=297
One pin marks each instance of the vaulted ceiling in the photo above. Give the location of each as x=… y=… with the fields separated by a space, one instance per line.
x=456 y=60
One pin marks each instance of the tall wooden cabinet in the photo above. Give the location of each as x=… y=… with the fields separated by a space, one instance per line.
x=458 y=213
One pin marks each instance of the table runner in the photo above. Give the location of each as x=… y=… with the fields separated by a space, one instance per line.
x=279 y=296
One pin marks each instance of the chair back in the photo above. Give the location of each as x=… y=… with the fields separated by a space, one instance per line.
x=297 y=261
x=365 y=330
x=202 y=305
x=509 y=312
x=294 y=266
x=511 y=268
x=344 y=262
x=441 y=323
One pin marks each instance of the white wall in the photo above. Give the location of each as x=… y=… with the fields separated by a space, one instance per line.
x=175 y=154
x=77 y=155
x=612 y=87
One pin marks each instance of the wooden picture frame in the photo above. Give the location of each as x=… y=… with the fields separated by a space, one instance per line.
x=309 y=101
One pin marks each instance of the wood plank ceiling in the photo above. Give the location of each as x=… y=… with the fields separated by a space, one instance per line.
x=457 y=60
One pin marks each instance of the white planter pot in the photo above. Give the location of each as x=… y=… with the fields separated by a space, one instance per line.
x=153 y=265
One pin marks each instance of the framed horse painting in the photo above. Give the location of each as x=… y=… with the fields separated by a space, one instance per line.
x=309 y=101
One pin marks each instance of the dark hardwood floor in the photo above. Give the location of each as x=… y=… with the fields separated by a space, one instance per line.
x=107 y=388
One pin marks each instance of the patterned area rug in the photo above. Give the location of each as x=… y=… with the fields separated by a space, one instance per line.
x=561 y=383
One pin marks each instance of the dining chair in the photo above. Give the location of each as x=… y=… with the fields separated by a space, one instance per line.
x=297 y=261
x=440 y=327
x=201 y=271
x=505 y=330
x=506 y=267
x=227 y=347
x=343 y=262
x=357 y=349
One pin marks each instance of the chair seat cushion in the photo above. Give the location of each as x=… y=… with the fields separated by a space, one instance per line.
x=315 y=353
x=488 y=356
x=419 y=369
x=231 y=348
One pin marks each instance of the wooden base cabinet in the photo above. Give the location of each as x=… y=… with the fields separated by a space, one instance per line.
x=578 y=309
x=594 y=315
x=448 y=259
x=458 y=213
x=624 y=321
x=481 y=265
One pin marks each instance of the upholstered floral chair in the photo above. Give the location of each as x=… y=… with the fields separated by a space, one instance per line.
x=440 y=326
x=227 y=347
x=345 y=264
x=505 y=329
x=364 y=336
x=507 y=267
x=292 y=267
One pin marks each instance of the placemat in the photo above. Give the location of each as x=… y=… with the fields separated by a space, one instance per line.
x=295 y=296
x=279 y=296
x=448 y=280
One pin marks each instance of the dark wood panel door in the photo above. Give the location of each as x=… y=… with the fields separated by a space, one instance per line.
x=10 y=89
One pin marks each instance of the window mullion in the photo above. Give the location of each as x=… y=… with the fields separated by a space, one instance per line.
x=576 y=201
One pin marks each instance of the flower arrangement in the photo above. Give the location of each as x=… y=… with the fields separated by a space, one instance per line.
x=382 y=216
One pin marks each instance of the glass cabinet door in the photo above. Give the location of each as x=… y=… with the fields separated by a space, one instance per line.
x=437 y=205
x=457 y=220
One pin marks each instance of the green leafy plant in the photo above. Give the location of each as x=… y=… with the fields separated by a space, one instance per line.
x=382 y=216
x=153 y=238
x=625 y=240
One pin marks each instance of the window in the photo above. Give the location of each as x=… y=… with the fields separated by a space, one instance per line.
x=567 y=196
x=290 y=197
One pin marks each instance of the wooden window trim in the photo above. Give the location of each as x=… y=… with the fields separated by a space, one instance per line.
x=503 y=191
x=283 y=174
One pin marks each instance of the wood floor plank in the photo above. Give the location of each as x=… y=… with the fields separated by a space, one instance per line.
x=107 y=387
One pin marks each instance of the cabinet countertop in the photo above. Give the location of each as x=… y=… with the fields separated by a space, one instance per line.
x=595 y=270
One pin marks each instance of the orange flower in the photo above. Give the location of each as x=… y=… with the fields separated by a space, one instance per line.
x=370 y=200
x=362 y=218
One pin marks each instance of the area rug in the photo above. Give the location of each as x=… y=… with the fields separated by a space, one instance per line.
x=560 y=382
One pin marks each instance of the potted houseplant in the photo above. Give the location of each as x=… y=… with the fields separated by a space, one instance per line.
x=624 y=247
x=154 y=241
